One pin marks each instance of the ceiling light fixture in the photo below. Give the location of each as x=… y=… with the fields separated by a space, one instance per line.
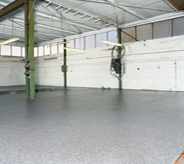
x=74 y=49
x=83 y=16
x=76 y=13
x=3 y=3
x=90 y=18
x=9 y=41
x=48 y=4
x=97 y=20
x=56 y=44
x=113 y=43
x=13 y=39
x=67 y=10
x=58 y=7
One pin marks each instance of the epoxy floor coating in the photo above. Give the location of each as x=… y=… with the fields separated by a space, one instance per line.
x=23 y=87
x=92 y=126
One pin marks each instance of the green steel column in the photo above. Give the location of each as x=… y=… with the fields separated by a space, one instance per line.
x=119 y=55
x=65 y=75
x=31 y=49
x=27 y=45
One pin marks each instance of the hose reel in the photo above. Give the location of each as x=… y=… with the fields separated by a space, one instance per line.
x=27 y=67
x=115 y=67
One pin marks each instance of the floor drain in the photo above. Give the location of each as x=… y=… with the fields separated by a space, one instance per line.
x=180 y=160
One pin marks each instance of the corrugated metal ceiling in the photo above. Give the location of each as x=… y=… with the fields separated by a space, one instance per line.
x=60 y=18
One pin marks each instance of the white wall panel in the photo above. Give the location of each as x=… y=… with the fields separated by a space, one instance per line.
x=149 y=65
x=11 y=71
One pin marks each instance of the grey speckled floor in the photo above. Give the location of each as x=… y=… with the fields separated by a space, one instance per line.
x=91 y=126
x=23 y=87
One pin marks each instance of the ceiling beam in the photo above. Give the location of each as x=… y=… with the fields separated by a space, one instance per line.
x=171 y=6
x=21 y=36
x=63 y=30
x=11 y=7
x=129 y=6
x=81 y=12
x=178 y=4
x=22 y=29
x=46 y=26
x=153 y=19
x=64 y=20
x=127 y=25
x=126 y=9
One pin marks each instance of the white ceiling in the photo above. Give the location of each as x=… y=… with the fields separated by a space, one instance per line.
x=61 y=18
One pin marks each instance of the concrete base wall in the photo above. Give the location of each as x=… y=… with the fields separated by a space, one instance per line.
x=11 y=71
x=155 y=64
x=151 y=65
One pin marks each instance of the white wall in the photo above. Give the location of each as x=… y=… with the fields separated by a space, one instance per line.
x=11 y=71
x=48 y=72
x=160 y=63
x=154 y=64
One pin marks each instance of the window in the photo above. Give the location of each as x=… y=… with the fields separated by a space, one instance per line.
x=178 y=28
x=162 y=29
x=112 y=36
x=100 y=37
x=23 y=51
x=5 y=50
x=71 y=43
x=16 y=51
x=125 y=37
x=90 y=41
x=144 y=32
x=47 y=50
x=61 y=48
x=54 y=49
x=79 y=43
x=40 y=50
x=35 y=52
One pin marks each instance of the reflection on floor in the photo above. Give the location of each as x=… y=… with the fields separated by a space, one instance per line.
x=92 y=126
x=22 y=89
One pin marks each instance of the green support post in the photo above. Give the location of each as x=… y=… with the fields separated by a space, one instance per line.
x=11 y=9
x=119 y=55
x=65 y=66
x=31 y=48
x=27 y=45
x=29 y=39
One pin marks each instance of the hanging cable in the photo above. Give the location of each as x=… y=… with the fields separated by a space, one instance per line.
x=115 y=66
x=32 y=8
x=12 y=27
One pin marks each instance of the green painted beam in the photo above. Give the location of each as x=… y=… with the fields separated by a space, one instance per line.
x=29 y=39
x=65 y=75
x=129 y=35
x=27 y=46
x=31 y=49
x=119 y=55
x=11 y=7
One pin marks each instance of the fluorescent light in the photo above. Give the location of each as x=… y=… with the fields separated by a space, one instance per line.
x=3 y=3
x=83 y=16
x=47 y=16
x=48 y=4
x=97 y=20
x=57 y=44
x=75 y=49
x=58 y=7
x=67 y=10
x=9 y=41
x=116 y=44
x=76 y=13
x=90 y=18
